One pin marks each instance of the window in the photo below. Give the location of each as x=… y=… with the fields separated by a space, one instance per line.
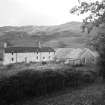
x=37 y=52
x=37 y=57
x=25 y=59
x=12 y=53
x=49 y=57
x=43 y=57
x=12 y=59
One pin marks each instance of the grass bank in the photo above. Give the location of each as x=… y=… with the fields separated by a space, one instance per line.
x=31 y=83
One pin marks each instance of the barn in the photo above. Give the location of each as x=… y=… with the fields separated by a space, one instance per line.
x=88 y=56
x=81 y=56
x=73 y=57
x=61 y=53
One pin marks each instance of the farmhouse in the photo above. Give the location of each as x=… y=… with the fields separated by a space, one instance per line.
x=27 y=54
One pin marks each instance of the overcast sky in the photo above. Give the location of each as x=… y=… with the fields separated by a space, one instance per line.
x=36 y=12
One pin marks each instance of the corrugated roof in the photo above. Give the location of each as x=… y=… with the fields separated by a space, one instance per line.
x=28 y=49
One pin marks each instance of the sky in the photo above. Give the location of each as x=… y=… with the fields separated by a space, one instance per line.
x=37 y=12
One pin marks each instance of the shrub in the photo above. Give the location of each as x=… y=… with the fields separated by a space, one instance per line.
x=10 y=66
x=30 y=83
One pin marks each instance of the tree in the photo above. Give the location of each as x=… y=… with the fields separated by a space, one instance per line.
x=96 y=17
x=98 y=42
x=96 y=11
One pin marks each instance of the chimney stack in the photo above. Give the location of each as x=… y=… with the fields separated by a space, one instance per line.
x=5 y=45
x=39 y=44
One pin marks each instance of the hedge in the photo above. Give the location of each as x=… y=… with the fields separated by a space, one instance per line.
x=30 y=83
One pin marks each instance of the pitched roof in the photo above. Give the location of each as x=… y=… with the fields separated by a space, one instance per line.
x=62 y=52
x=82 y=52
x=77 y=53
x=28 y=49
x=74 y=53
x=94 y=53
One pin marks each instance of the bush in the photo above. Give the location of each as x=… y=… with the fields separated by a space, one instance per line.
x=10 y=66
x=36 y=83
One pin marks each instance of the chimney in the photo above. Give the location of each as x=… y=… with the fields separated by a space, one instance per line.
x=5 y=45
x=39 y=44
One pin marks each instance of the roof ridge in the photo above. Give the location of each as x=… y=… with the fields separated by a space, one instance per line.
x=28 y=49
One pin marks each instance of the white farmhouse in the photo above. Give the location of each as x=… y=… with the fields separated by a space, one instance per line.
x=27 y=54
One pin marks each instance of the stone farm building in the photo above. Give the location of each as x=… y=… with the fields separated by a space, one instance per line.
x=27 y=54
x=76 y=56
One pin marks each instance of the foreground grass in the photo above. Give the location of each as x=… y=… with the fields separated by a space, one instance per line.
x=23 y=84
x=10 y=70
x=90 y=95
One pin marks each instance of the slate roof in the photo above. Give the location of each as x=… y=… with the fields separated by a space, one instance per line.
x=28 y=49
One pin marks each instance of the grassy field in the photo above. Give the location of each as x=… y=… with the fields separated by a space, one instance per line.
x=21 y=82
x=93 y=94
x=10 y=70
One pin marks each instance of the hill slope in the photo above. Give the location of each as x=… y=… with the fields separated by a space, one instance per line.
x=64 y=35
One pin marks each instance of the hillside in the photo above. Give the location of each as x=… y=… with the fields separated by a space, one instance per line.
x=64 y=35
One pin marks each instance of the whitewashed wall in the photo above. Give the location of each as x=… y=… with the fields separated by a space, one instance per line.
x=47 y=56
x=28 y=57
x=8 y=58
